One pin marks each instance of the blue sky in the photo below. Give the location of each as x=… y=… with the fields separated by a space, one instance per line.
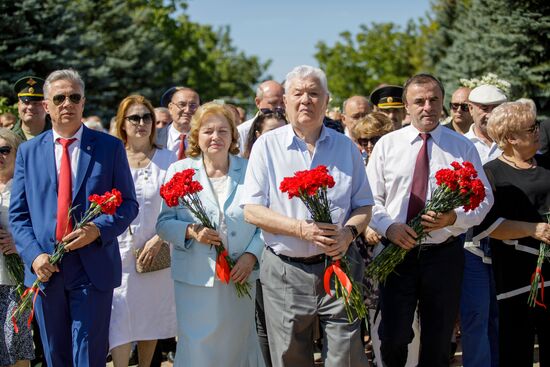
x=286 y=31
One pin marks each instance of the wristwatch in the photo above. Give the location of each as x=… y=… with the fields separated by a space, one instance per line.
x=353 y=229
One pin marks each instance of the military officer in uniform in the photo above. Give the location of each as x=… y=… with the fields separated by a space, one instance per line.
x=33 y=120
x=388 y=99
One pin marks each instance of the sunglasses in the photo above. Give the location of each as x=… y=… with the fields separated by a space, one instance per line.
x=365 y=141
x=135 y=119
x=5 y=150
x=461 y=106
x=276 y=110
x=181 y=105
x=60 y=98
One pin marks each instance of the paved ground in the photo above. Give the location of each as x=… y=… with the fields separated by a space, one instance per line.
x=457 y=361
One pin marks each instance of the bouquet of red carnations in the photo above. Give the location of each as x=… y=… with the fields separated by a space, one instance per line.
x=536 y=278
x=100 y=204
x=455 y=187
x=310 y=187
x=181 y=189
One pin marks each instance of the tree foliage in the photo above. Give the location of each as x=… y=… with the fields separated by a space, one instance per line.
x=506 y=38
x=122 y=47
x=379 y=53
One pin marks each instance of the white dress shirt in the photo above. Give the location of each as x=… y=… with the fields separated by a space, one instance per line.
x=74 y=152
x=173 y=142
x=390 y=171
x=280 y=153
x=486 y=153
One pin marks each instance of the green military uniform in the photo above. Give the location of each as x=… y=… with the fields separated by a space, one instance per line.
x=29 y=88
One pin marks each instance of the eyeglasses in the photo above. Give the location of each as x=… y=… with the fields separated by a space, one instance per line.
x=135 y=119
x=279 y=110
x=461 y=106
x=530 y=130
x=60 y=98
x=365 y=141
x=181 y=105
x=5 y=150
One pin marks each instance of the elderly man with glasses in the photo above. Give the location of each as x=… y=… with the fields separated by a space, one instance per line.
x=182 y=102
x=478 y=303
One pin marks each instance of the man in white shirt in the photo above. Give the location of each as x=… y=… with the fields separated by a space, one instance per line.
x=478 y=304
x=355 y=108
x=182 y=106
x=483 y=100
x=430 y=276
x=294 y=261
x=269 y=98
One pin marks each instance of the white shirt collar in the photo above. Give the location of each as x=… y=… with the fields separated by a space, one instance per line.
x=77 y=135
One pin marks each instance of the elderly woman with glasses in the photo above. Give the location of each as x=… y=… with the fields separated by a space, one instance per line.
x=143 y=306
x=517 y=226
x=215 y=325
x=16 y=349
x=369 y=130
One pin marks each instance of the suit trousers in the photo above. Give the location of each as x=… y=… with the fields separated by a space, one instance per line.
x=431 y=278
x=293 y=298
x=73 y=317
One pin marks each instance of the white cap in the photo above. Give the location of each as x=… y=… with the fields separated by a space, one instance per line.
x=487 y=94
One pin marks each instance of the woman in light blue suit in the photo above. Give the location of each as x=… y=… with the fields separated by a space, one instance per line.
x=215 y=326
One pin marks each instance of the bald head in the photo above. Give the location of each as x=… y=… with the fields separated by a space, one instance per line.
x=355 y=108
x=269 y=95
x=460 y=114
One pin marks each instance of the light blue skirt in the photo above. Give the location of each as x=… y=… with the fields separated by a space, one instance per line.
x=216 y=327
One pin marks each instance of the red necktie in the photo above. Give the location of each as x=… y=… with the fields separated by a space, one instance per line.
x=419 y=186
x=181 y=150
x=64 y=192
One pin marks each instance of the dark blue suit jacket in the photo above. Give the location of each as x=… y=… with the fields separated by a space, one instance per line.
x=102 y=166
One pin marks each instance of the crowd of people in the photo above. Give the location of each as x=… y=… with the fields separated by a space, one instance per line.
x=148 y=276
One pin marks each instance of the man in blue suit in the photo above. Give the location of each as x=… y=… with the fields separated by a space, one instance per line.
x=57 y=170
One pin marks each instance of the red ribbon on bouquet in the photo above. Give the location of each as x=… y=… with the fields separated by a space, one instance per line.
x=31 y=290
x=340 y=274
x=539 y=271
x=222 y=267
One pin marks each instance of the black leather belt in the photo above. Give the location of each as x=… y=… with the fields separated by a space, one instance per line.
x=312 y=260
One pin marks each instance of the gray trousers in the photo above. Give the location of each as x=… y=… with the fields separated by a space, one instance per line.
x=293 y=297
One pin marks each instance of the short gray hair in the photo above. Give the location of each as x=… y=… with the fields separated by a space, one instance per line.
x=303 y=72
x=64 y=74
x=10 y=137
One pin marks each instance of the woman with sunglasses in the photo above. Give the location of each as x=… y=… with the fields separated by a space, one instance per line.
x=143 y=306
x=15 y=349
x=517 y=225
x=264 y=122
x=369 y=130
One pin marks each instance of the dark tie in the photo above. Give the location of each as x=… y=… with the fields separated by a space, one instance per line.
x=64 y=192
x=181 y=150
x=419 y=186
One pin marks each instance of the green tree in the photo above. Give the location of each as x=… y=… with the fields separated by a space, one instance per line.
x=380 y=53
x=122 y=47
x=508 y=39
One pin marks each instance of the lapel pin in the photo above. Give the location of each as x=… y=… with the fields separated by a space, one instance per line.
x=89 y=147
